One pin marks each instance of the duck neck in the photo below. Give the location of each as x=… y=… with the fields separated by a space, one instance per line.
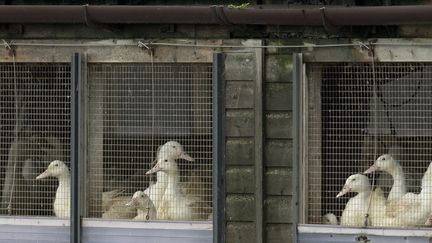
x=162 y=178
x=64 y=181
x=399 y=186
x=173 y=178
x=364 y=194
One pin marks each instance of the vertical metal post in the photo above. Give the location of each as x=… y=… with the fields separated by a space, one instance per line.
x=75 y=219
x=218 y=148
x=259 y=168
x=297 y=116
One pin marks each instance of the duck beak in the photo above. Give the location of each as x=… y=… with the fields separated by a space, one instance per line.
x=185 y=156
x=344 y=191
x=371 y=169
x=155 y=169
x=131 y=203
x=43 y=175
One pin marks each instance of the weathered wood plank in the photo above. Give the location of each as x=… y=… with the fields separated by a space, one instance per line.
x=278 y=181
x=279 y=125
x=278 y=97
x=239 y=95
x=279 y=233
x=312 y=151
x=239 y=151
x=114 y=50
x=278 y=152
x=240 y=66
x=240 y=207
x=278 y=209
x=240 y=232
x=239 y=123
x=284 y=42
x=240 y=179
x=279 y=68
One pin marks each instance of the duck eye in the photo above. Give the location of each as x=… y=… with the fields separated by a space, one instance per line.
x=56 y=164
x=174 y=146
x=142 y=195
x=166 y=160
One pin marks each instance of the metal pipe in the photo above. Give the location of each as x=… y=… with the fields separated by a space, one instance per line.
x=339 y=16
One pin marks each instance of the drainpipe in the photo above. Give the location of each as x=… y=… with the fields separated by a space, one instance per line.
x=339 y=16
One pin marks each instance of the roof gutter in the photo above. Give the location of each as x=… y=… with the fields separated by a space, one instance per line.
x=338 y=16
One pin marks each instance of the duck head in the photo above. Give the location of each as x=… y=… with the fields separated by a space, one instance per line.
x=139 y=200
x=164 y=164
x=173 y=150
x=55 y=169
x=355 y=183
x=385 y=162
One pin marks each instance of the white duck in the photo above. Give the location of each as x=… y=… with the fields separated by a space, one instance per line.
x=110 y=200
x=171 y=150
x=356 y=208
x=388 y=164
x=410 y=210
x=63 y=195
x=145 y=207
x=173 y=205
x=329 y=218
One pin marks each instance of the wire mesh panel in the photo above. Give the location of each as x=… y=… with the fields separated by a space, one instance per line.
x=373 y=118
x=139 y=115
x=34 y=131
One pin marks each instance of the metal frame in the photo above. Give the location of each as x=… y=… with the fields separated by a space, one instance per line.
x=218 y=148
x=75 y=219
x=297 y=118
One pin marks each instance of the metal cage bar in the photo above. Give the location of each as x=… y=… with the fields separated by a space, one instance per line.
x=75 y=150
x=219 y=149
x=297 y=118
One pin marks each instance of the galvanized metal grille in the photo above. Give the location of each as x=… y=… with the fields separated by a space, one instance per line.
x=34 y=130
x=134 y=109
x=357 y=112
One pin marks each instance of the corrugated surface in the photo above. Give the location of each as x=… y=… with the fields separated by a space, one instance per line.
x=26 y=234
x=108 y=235
x=60 y=234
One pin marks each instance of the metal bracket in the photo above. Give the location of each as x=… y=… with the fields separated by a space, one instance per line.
x=362 y=239
x=146 y=46
x=328 y=26
x=95 y=25
x=10 y=47
x=219 y=13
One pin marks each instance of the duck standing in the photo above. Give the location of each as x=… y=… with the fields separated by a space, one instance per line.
x=171 y=150
x=173 y=205
x=62 y=199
